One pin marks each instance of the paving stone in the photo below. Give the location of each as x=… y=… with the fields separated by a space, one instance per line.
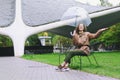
x=15 y=68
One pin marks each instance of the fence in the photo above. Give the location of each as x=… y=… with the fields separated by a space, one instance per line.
x=9 y=51
x=6 y=51
x=38 y=49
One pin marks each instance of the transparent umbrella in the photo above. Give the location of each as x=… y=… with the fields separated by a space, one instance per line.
x=76 y=12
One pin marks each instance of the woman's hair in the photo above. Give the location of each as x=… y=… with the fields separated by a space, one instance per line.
x=77 y=29
x=75 y=38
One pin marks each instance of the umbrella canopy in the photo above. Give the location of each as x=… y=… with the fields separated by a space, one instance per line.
x=77 y=12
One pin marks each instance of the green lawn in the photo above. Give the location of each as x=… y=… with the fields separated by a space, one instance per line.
x=109 y=62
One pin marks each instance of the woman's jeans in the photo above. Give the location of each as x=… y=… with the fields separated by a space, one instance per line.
x=71 y=54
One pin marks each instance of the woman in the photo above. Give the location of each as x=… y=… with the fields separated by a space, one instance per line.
x=81 y=39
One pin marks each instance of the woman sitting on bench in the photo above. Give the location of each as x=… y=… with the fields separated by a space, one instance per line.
x=81 y=39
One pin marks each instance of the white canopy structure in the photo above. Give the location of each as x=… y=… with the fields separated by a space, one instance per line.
x=33 y=16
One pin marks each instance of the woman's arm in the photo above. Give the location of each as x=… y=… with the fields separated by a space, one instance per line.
x=97 y=34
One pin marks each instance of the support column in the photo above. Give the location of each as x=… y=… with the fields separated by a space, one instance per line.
x=19 y=46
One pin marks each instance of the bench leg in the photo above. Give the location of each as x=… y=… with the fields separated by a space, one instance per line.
x=89 y=59
x=95 y=59
x=80 y=62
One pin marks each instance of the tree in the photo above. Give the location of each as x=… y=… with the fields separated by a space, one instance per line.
x=61 y=40
x=110 y=37
x=105 y=3
x=5 y=41
x=33 y=40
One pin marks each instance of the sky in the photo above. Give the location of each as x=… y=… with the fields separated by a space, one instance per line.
x=97 y=2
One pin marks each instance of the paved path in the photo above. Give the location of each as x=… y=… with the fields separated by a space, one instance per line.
x=14 y=68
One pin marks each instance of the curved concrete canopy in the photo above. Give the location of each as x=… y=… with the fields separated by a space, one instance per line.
x=103 y=18
x=38 y=12
x=7 y=12
x=34 y=16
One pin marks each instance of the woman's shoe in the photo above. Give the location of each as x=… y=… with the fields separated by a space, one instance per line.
x=59 y=67
x=65 y=69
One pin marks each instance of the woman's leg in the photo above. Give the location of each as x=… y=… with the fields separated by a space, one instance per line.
x=68 y=57
x=66 y=60
x=72 y=54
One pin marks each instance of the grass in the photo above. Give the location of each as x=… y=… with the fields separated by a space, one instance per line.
x=109 y=62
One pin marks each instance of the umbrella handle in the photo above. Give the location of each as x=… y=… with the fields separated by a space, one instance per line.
x=71 y=33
